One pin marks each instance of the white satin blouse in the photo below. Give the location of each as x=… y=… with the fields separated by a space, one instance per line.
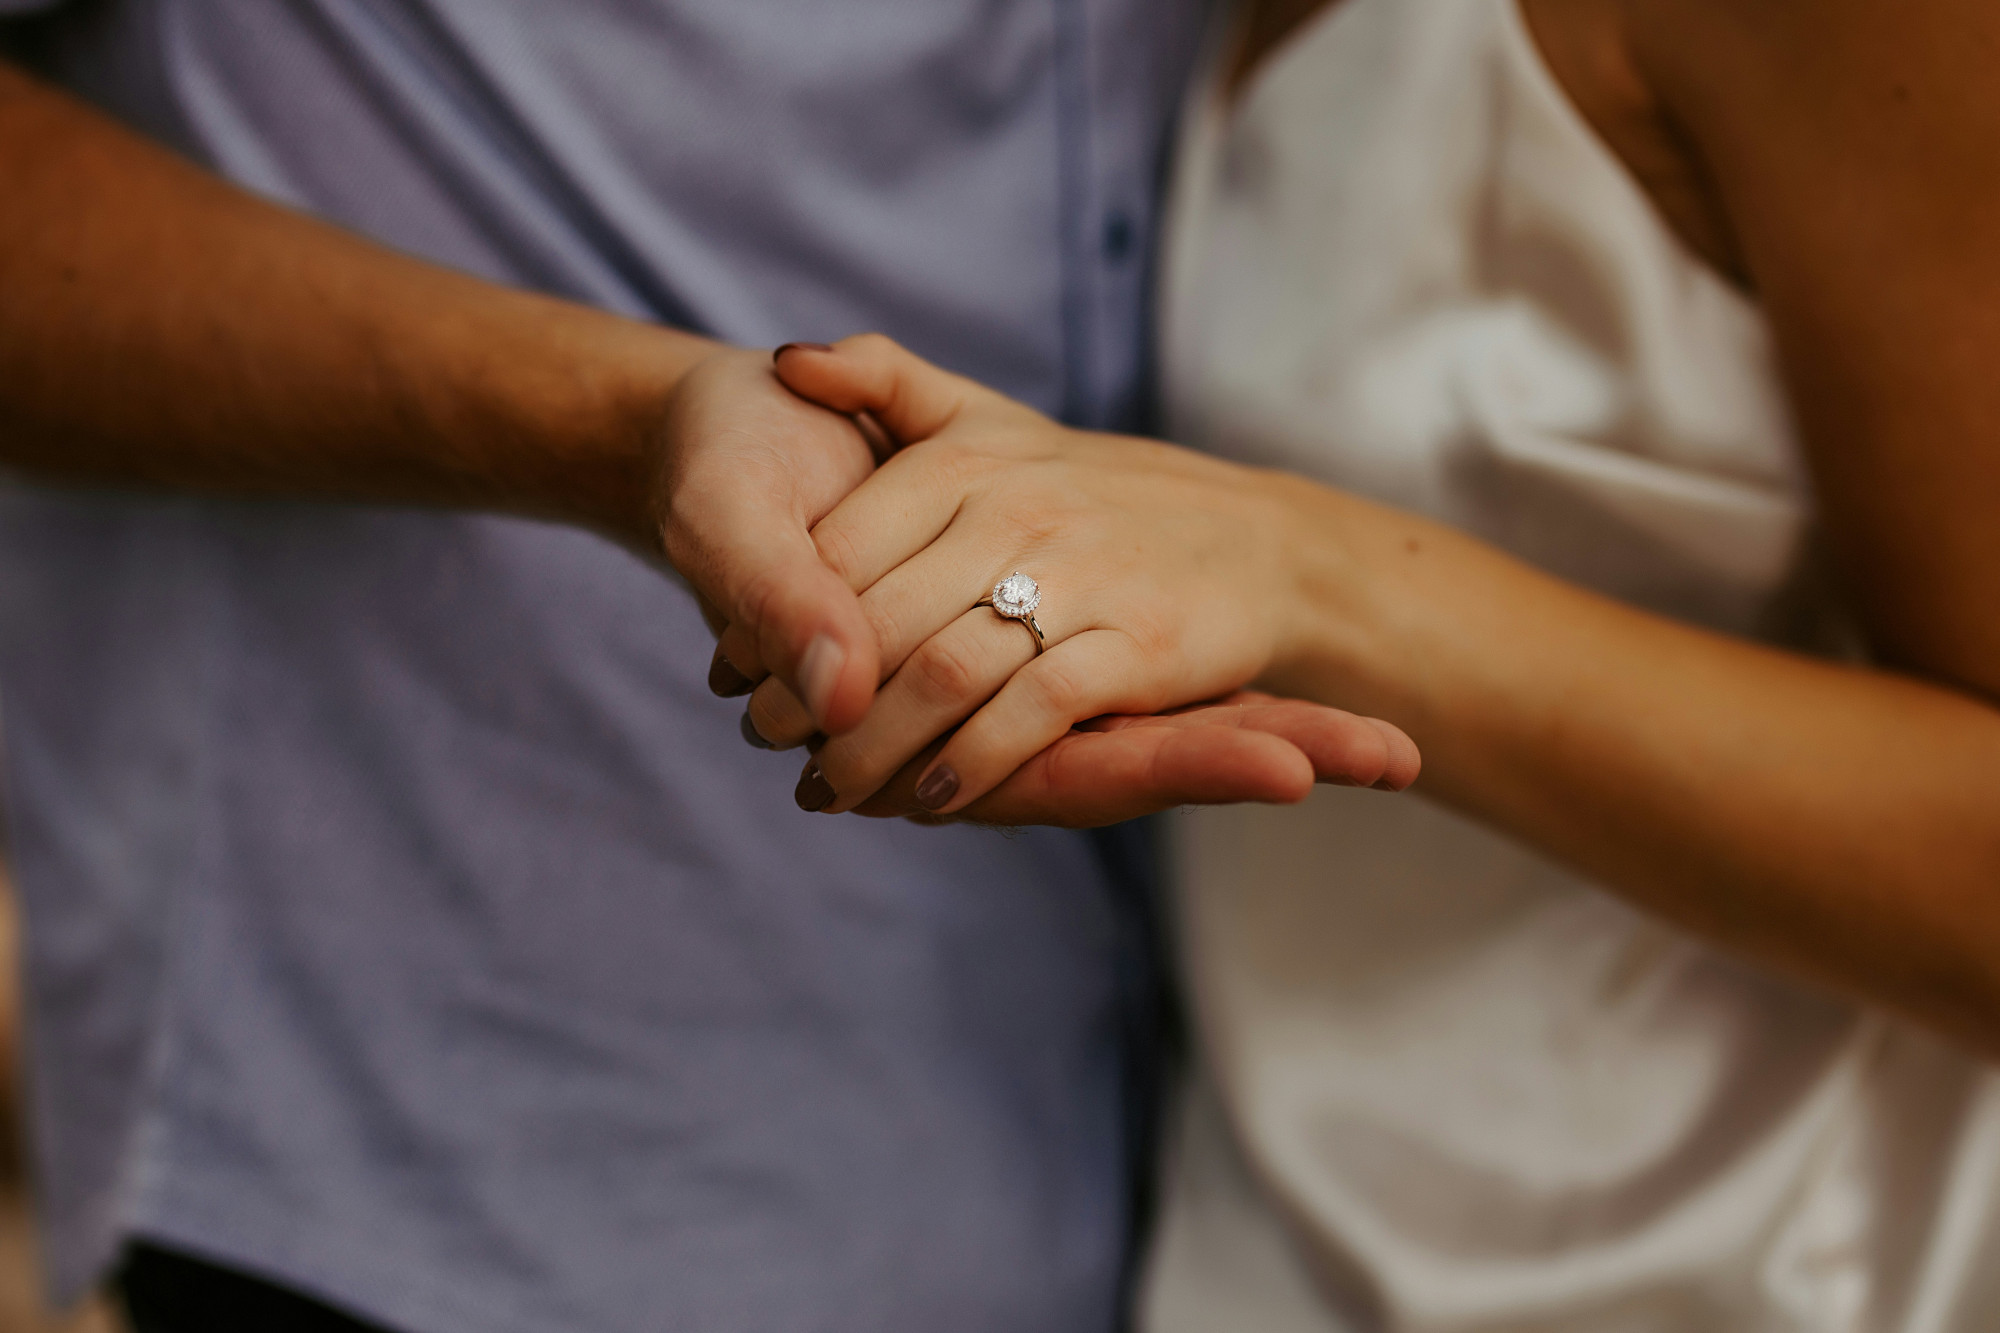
x=1444 y=1084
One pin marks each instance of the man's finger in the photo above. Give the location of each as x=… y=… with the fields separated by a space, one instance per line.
x=1090 y=779
x=1250 y=747
x=1345 y=748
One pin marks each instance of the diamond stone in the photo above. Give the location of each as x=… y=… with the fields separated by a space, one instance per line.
x=1017 y=595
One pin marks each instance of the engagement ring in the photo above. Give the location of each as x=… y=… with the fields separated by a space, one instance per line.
x=1016 y=598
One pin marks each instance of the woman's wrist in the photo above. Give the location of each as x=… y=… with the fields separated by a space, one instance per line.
x=1346 y=630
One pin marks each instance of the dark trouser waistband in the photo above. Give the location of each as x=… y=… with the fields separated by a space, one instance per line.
x=167 y=1292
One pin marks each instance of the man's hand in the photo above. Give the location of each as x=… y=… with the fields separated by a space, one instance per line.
x=1250 y=747
x=745 y=471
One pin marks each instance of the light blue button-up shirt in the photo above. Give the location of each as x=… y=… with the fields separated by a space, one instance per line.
x=406 y=921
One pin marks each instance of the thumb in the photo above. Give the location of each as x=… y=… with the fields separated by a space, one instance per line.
x=911 y=398
x=800 y=619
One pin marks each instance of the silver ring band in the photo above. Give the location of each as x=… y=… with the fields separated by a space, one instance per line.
x=1034 y=625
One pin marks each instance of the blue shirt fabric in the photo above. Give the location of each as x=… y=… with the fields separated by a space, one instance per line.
x=405 y=919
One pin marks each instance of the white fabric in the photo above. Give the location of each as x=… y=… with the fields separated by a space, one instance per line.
x=1445 y=1084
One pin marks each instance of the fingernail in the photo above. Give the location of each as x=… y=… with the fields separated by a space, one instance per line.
x=937 y=788
x=819 y=672
x=726 y=680
x=814 y=792
x=1383 y=785
x=755 y=737
x=799 y=347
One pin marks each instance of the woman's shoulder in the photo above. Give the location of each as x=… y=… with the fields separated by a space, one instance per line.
x=1737 y=116
x=1851 y=147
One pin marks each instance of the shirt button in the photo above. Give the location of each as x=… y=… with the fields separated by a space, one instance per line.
x=1119 y=236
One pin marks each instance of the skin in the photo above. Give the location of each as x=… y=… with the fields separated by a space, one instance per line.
x=1837 y=823
x=164 y=330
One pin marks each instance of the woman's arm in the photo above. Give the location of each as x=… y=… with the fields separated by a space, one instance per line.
x=1838 y=823
x=1839 y=158
x=1835 y=822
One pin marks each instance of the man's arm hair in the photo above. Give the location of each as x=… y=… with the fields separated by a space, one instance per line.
x=162 y=328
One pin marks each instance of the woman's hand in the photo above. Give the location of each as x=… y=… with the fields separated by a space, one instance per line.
x=1163 y=574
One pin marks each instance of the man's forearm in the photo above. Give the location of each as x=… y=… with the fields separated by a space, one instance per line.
x=159 y=327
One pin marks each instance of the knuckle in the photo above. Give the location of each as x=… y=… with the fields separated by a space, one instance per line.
x=1035 y=528
x=1152 y=640
x=837 y=549
x=852 y=767
x=942 y=458
x=1058 y=689
x=689 y=545
x=882 y=623
x=953 y=469
x=836 y=765
x=946 y=670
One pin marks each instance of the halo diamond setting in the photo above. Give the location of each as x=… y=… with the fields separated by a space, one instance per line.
x=1017 y=596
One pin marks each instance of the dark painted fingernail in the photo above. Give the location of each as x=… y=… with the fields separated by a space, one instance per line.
x=814 y=793
x=938 y=788
x=799 y=347
x=755 y=737
x=726 y=680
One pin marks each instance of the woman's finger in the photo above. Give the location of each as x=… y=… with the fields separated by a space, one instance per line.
x=922 y=595
x=1098 y=671
x=938 y=686
x=736 y=648
x=774 y=719
x=724 y=678
x=906 y=608
x=915 y=495
x=909 y=502
x=786 y=615
x=906 y=395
